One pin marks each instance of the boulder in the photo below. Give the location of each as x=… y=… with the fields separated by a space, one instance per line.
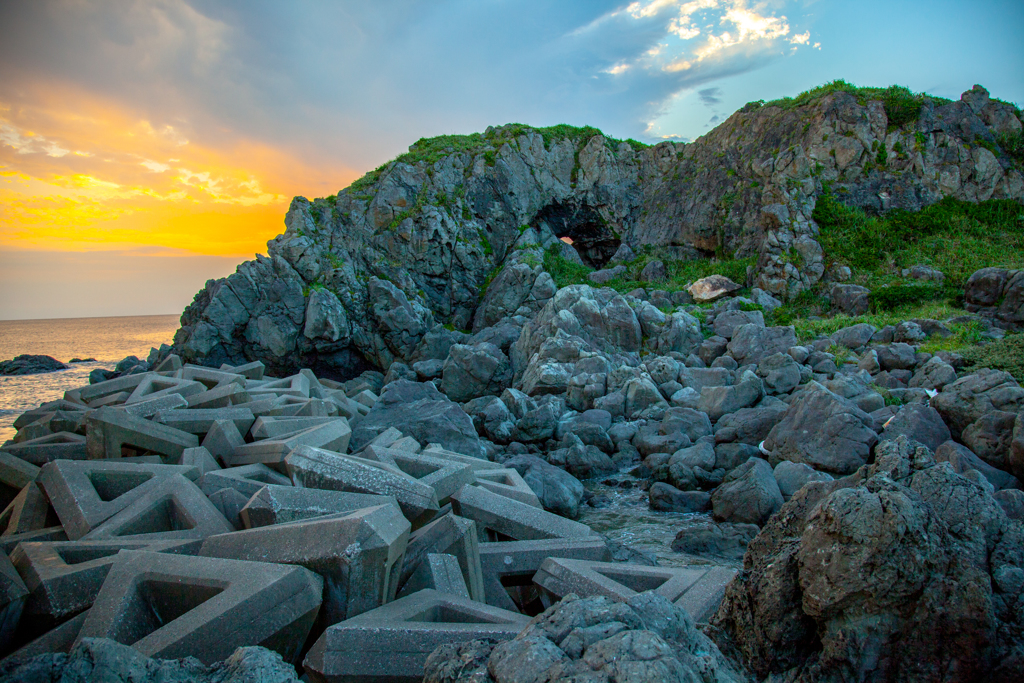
x=666 y=498
x=722 y=539
x=917 y=422
x=934 y=374
x=781 y=374
x=600 y=277
x=712 y=288
x=642 y=394
x=908 y=556
x=654 y=271
x=27 y=364
x=751 y=344
x=990 y=436
x=792 y=476
x=720 y=401
x=823 y=430
x=472 y=371
x=997 y=293
x=558 y=491
x=850 y=299
x=854 y=336
x=537 y=424
x=750 y=425
x=1016 y=457
x=750 y=494
x=727 y=322
x=897 y=356
x=964 y=401
x=421 y=411
x=963 y=460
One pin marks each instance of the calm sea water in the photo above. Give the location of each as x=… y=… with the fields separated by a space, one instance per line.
x=108 y=340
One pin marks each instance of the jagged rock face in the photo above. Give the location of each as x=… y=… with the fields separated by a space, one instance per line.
x=904 y=571
x=360 y=278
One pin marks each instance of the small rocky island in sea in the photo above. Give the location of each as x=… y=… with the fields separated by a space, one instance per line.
x=361 y=458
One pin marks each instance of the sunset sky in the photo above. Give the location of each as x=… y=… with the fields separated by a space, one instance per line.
x=148 y=146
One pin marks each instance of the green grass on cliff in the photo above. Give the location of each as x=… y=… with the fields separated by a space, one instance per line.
x=432 y=150
x=680 y=273
x=901 y=105
x=954 y=236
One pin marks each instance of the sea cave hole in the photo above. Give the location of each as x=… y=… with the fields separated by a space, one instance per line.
x=584 y=228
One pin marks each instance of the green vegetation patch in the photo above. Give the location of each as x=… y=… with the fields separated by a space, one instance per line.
x=954 y=236
x=1003 y=354
x=901 y=105
x=680 y=273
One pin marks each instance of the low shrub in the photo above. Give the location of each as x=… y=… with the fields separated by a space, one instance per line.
x=1003 y=354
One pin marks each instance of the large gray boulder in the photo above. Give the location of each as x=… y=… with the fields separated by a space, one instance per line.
x=720 y=401
x=963 y=460
x=823 y=430
x=793 y=476
x=101 y=660
x=998 y=293
x=750 y=494
x=558 y=491
x=918 y=561
x=781 y=374
x=646 y=638
x=964 y=401
x=751 y=344
x=421 y=411
x=473 y=371
x=750 y=425
x=917 y=422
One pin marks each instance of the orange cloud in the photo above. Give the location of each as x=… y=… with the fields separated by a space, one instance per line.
x=79 y=172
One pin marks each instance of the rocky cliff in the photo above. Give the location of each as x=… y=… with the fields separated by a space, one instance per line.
x=451 y=235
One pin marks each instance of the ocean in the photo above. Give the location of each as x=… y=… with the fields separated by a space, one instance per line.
x=108 y=340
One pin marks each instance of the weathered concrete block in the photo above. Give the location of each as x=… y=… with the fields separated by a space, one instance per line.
x=85 y=493
x=91 y=392
x=221 y=397
x=50 y=533
x=174 y=606
x=477 y=464
x=151 y=406
x=117 y=399
x=201 y=420
x=156 y=386
x=697 y=589
x=392 y=642
x=247 y=480
x=198 y=457
x=230 y=503
x=331 y=436
x=512 y=519
x=63 y=578
x=508 y=483
x=296 y=386
x=446 y=477
x=58 y=446
x=509 y=566
x=270 y=427
x=15 y=474
x=449 y=534
x=170 y=508
x=170 y=364
x=406 y=443
x=110 y=429
x=13 y=594
x=253 y=370
x=438 y=572
x=320 y=469
x=223 y=440
x=209 y=377
x=29 y=511
x=358 y=554
x=282 y=504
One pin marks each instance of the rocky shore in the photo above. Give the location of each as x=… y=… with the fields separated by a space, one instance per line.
x=366 y=452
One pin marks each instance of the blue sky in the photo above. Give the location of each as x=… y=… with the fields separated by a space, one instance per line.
x=117 y=117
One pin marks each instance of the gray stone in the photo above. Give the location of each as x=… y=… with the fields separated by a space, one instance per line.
x=967 y=399
x=751 y=344
x=896 y=356
x=600 y=277
x=110 y=429
x=823 y=430
x=781 y=374
x=792 y=476
x=727 y=322
x=712 y=288
x=854 y=336
x=720 y=401
x=918 y=422
x=666 y=498
x=173 y=606
x=850 y=299
x=558 y=491
x=750 y=495
x=963 y=460
x=423 y=413
x=934 y=374
x=750 y=425
x=990 y=437
x=13 y=593
x=472 y=371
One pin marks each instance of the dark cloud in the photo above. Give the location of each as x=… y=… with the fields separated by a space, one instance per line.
x=710 y=96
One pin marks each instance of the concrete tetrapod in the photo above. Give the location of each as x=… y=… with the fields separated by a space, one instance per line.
x=85 y=493
x=697 y=589
x=282 y=504
x=319 y=469
x=108 y=429
x=332 y=436
x=63 y=577
x=13 y=594
x=358 y=554
x=392 y=642
x=171 y=508
x=448 y=534
x=174 y=606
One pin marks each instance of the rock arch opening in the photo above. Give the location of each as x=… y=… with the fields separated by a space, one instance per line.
x=583 y=227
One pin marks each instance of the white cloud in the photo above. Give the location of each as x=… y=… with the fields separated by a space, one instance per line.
x=801 y=38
